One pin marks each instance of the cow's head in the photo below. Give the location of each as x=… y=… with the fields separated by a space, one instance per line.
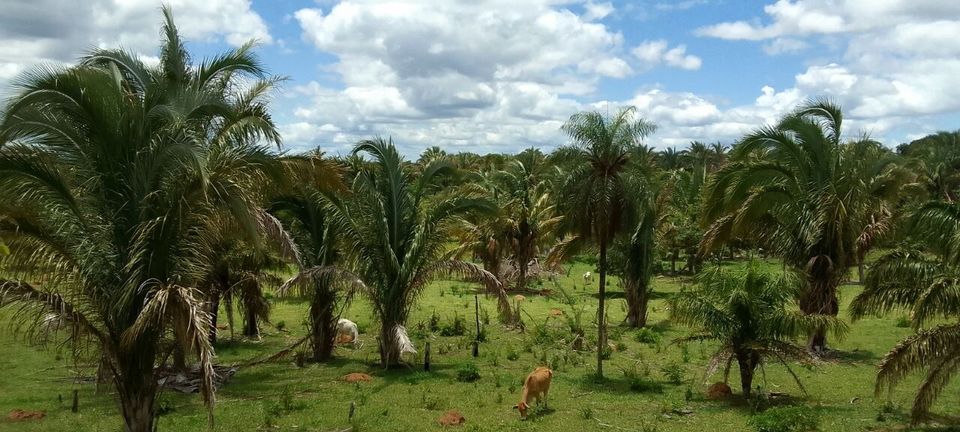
x=522 y=407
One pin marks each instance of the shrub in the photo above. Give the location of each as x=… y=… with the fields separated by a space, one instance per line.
x=673 y=372
x=641 y=384
x=647 y=336
x=457 y=328
x=786 y=419
x=434 y=324
x=468 y=372
x=512 y=354
x=281 y=325
x=903 y=322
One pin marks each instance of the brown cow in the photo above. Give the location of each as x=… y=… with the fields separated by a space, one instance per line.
x=536 y=387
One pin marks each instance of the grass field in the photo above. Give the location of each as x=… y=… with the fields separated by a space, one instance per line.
x=282 y=396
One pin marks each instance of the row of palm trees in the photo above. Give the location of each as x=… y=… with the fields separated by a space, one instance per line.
x=138 y=202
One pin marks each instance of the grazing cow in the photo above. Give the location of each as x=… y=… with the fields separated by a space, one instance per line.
x=403 y=341
x=588 y=277
x=347 y=332
x=536 y=387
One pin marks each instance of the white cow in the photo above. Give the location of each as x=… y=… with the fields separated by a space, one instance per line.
x=588 y=277
x=347 y=332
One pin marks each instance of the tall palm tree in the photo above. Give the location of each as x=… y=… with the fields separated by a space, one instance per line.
x=803 y=193
x=111 y=173
x=748 y=314
x=633 y=254
x=594 y=193
x=925 y=283
x=638 y=252
x=301 y=207
x=394 y=235
x=531 y=220
x=939 y=164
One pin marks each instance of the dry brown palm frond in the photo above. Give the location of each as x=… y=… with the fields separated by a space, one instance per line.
x=42 y=303
x=463 y=269
x=179 y=309
x=274 y=232
x=340 y=278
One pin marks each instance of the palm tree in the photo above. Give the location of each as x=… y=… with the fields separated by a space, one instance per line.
x=798 y=190
x=748 y=315
x=638 y=253
x=530 y=222
x=939 y=163
x=301 y=207
x=394 y=235
x=111 y=175
x=925 y=283
x=594 y=193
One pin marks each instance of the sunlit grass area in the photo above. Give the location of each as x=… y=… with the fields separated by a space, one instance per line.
x=651 y=383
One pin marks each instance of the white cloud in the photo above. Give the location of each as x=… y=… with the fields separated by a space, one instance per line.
x=888 y=63
x=492 y=75
x=784 y=46
x=53 y=31
x=655 y=52
x=595 y=11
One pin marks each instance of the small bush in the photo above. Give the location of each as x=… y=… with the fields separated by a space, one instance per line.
x=434 y=323
x=468 y=372
x=432 y=403
x=647 y=336
x=457 y=328
x=903 y=322
x=786 y=419
x=640 y=381
x=512 y=354
x=673 y=372
x=281 y=325
x=645 y=385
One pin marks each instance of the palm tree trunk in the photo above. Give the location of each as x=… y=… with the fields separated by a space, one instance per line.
x=323 y=325
x=601 y=322
x=820 y=297
x=637 y=295
x=251 y=327
x=179 y=358
x=136 y=387
x=389 y=352
x=214 y=313
x=137 y=408
x=748 y=363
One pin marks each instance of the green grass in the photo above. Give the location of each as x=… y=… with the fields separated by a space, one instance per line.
x=312 y=398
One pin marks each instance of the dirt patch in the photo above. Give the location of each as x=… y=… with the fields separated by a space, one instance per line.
x=24 y=415
x=719 y=390
x=451 y=418
x=519 y=298
x=556 y=312
x=357 y=377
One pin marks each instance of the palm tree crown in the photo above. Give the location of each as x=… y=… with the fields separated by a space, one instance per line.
x=394 y=233
x=111 y=173
x=595 y=198
x=748 y=314
x=800 y=191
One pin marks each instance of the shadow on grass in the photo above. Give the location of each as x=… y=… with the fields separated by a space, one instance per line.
x=856 y=356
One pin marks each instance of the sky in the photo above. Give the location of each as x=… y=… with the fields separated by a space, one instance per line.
x=503 y=75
